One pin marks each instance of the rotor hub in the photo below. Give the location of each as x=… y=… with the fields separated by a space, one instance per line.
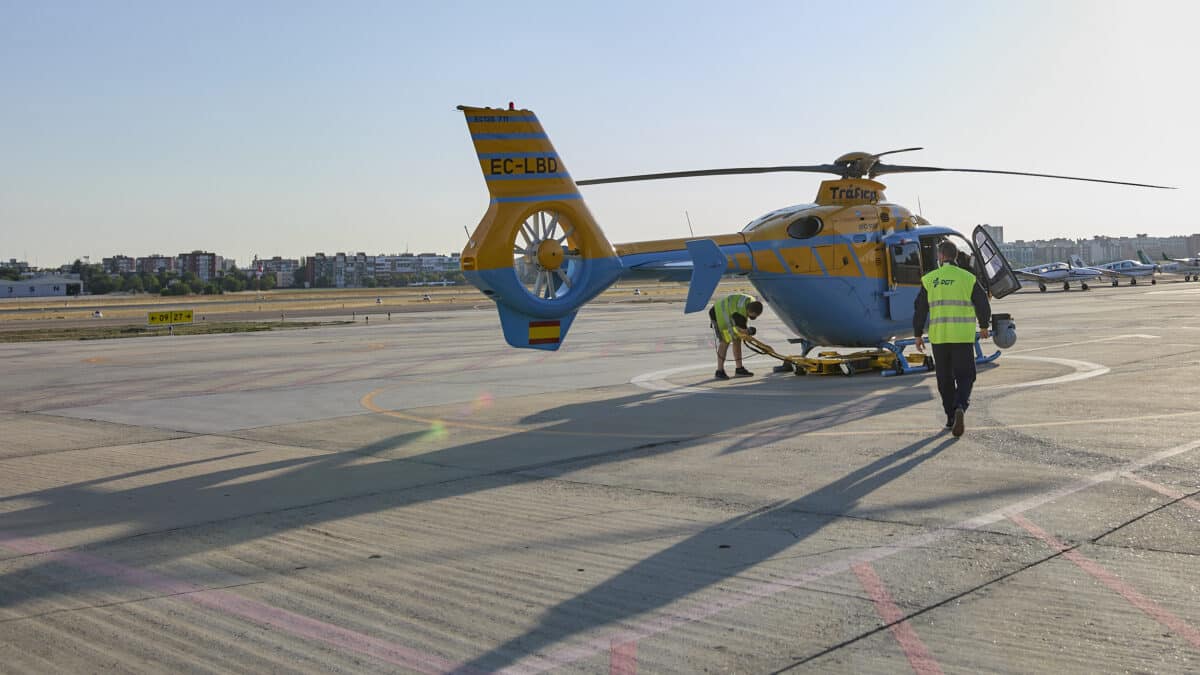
x=550 y=254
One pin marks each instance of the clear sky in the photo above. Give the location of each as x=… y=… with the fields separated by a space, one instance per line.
x=286 y=128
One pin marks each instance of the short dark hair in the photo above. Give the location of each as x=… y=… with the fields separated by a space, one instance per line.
x=948 y=250
x=755 y=307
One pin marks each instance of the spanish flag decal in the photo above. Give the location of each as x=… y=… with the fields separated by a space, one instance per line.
x=545 y=332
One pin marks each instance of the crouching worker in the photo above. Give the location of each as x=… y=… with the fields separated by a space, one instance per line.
x=733 y=311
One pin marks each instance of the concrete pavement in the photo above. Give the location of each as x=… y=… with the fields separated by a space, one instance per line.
x=413 y=495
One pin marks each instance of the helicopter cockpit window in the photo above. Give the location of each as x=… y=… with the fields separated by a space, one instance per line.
x=805 y=228
x=775 y=215
x=929 y=252
x=906 y=263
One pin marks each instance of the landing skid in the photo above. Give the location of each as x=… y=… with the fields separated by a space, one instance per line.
x=888 y=358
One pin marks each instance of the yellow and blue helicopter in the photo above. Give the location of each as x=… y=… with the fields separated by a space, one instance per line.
x=842 y=271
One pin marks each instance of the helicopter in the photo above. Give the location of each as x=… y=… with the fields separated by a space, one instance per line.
x=842 y=271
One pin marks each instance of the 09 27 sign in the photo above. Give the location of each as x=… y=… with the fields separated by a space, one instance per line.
x=171 y=317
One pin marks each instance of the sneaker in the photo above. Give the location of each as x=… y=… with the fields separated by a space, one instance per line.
x=958 y=427
x=721 y=375
x=742 y=372
x=950 y=422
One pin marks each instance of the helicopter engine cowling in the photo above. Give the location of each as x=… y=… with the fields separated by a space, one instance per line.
x=537 y=252
x=1004 y=331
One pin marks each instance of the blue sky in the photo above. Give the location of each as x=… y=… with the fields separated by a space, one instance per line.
x=285 y=128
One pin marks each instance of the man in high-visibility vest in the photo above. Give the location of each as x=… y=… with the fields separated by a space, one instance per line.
x=953 y=301
x=730 y=312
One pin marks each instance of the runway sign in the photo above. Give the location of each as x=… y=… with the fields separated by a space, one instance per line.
x=171 y=317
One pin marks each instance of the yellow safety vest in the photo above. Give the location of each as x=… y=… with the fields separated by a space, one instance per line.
x=951 y=314
x=725 y=308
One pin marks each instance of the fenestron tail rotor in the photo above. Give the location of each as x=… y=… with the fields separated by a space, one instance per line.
x=542 y=257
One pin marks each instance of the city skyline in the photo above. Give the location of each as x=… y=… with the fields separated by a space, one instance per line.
x=265 y=128
x=1099 y=248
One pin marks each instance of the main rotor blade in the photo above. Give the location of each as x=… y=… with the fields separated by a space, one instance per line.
x=820 y=168
x=882 y=169
x=892 y=152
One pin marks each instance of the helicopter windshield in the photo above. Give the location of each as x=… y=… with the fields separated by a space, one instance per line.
x=929 y=254
x=778 y=213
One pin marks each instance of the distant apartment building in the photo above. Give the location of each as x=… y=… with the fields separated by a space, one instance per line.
x=353 y=270
x=359 y=268
x=389 y=265
x=284 y=269
x=434 y=262
x=119 y=264
x=319 y=269
x=996 y=232
x=201 y=263
x=153 y=264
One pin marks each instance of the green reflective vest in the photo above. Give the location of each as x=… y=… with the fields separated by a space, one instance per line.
x=725 y=308
x=951 y=314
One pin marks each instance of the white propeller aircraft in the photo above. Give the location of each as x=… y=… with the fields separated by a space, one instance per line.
x=1060 y=272
x=1128 y=269
x=1188 y=267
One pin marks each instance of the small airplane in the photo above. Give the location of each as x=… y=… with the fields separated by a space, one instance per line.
x=1059 y=272
x=1188 y=267
x=842 y=271
x=1129 y=269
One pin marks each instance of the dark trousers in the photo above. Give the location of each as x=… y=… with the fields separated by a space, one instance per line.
x=955 y=365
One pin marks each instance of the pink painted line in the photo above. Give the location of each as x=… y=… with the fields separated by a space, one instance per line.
x=918 y=655
x=622 y=658
x=1151 y=608
x=250 y=610
x=534 y=664
x=1164 y=490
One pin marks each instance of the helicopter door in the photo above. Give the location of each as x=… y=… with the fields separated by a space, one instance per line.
x=997 y=276
x=904 y=275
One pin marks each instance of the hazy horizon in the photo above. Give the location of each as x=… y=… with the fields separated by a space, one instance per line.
x=273 y=129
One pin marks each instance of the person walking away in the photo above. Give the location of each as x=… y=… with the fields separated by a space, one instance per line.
x=733 y=311
x=953 y=302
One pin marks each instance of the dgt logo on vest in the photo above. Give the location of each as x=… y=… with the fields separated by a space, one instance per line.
x=942 y=282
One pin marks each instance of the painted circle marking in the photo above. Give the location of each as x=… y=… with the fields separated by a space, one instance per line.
x=657 y=380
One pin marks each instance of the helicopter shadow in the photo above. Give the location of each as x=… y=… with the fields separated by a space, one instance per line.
x=264 y=499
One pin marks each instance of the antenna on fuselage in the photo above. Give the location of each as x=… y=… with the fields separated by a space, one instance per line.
x=920 y=211
x=689 y=219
